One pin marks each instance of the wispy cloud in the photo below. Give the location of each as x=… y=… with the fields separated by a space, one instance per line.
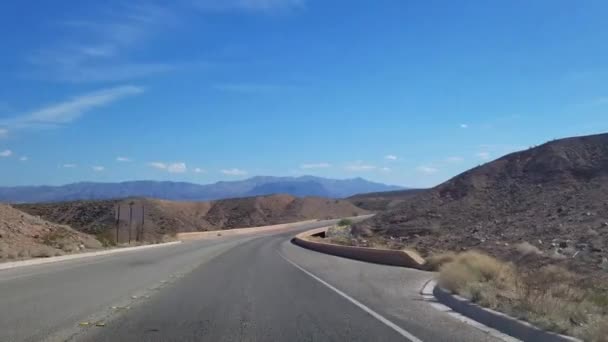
x=123 y=159
x=483 y=155
x=6 y=153
x=198 y=170
x=158 y=165
x=95 y=49
x=177 y=167
x=70 y=110
x=427 y=170
x=464 y=125
x=386 y=169
x=98 y=168
x=315 y=166
x=23 y=158
x=454 y=159
x=248 y=5
x=359 y=166
x=390 y=157
x=234 y=172
x=3 y=132
x=68 y=166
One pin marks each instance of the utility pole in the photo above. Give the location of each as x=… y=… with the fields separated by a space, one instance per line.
x=142 y=221
x=117 y=222
x=130 y=219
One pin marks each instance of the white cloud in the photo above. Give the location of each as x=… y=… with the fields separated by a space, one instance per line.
x=484 y=155
x=98 y=168
x=464 y=125
x=3 y=132
x=198 y=170
x=315 y=166
x=234 y=172
x=158 y=165
x=23 y=158
x=68 y=111
x=123 y=159
x=359 y=166
x=6 y=153
x=248 y=5
x=390 y=157
x=454 y=159
x=428 y=170
x=177 y=167
x=386 y=169
x=68 y=166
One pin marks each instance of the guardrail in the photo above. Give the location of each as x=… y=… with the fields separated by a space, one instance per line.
x=375 y=255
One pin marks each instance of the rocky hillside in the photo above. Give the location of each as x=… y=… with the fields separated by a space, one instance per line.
x=165 y=218
x=23 y=236
x=549 y=201
x=378 y=201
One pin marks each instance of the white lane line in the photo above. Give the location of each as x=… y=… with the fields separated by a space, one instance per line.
x=374 y=314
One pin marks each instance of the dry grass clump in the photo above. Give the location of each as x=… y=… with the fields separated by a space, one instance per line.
x=435 y=261
x=552 y=297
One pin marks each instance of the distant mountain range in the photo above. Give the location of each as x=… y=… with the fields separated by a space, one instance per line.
x=182 y=191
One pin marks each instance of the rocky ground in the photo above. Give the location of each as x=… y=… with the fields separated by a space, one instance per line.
x=23 y=236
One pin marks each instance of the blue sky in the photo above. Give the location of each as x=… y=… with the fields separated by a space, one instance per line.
x=402 y=92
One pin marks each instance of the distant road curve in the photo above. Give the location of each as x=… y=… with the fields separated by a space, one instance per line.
x=256 y=287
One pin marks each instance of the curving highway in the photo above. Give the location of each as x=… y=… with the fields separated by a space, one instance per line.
x=258 y=287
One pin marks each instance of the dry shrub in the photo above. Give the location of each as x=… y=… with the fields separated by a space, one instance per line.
x=526 y=248
x=470 y=268
x=435 y=261
x=551 y=297
x=597 y=332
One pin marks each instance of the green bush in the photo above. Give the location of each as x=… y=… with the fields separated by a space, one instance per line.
x=345 y=223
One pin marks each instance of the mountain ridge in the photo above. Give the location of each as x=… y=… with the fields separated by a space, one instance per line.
x=184 y=191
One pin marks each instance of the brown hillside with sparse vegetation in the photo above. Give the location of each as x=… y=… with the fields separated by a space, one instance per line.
x=23 y=236
x=165 y=218
x=548 y=204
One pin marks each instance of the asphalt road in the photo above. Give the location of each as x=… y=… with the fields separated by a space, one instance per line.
x=245 y=288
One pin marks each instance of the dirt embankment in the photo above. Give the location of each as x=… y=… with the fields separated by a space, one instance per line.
x=166 y=218
x=543 y=205
x=23 y=236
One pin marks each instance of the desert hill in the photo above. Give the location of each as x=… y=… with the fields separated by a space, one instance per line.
x=165 y=218
x=553 y=197
x=23 y=235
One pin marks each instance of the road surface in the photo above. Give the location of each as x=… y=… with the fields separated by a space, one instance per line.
x=244 y=288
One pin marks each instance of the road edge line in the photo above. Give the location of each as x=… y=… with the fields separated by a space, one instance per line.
x=361 y=306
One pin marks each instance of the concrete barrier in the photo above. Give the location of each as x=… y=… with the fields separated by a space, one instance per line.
x=261 y=229
x=374 y=255
x=497 y=320
x=238 y=231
